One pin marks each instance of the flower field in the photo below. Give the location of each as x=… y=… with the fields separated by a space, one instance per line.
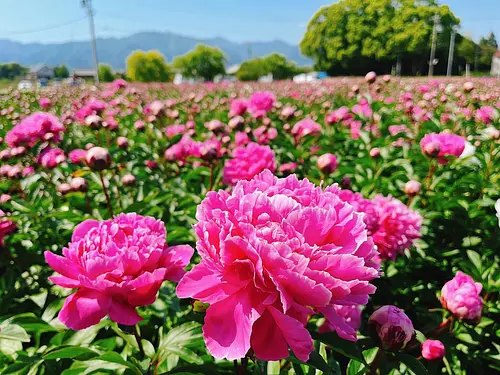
x=343 y=227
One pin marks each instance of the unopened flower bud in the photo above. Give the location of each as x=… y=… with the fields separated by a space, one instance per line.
x=370 y=77
x=391 y=327
x=79 y=184
x=122 y=142
x=98 y=158
x=412 y=188
x=327 y=163
x=433 y=350
x=375 y=152
x=64 y=189
x=432 y=149
x=128 y=179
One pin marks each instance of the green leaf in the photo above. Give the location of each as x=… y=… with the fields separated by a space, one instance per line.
x=70 y=352
x=273 y=367
x=475 y=258
x=175 y=343
x=412 y=363
x=344 y=347
x=14 y=332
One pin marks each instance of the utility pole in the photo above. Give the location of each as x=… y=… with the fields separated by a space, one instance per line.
x=88 y=4
x=433 y=46
x=452 y=50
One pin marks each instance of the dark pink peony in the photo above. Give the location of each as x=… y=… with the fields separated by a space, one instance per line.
x=6 y=226
x=306 y=127
x=271 y=252
x=77 y=156
x=447 y=145
x=433 y=349
x=115 y=265
x=260 y=103
x=247 y=162
x=51 y=157
x=36 y=128
x=460 y=295
x=238 y=107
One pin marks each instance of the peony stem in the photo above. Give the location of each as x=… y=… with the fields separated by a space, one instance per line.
x=105 y=190
x=139 y=340
x=211 y=177
x=376 y=362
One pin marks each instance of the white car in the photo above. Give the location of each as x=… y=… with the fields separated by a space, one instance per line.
x=24 y=85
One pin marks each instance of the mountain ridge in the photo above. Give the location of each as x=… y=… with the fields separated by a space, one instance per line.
x=114 y=50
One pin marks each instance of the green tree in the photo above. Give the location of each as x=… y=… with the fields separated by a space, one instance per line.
x=467 y=50
x=349 y=36
x=279 y=66
x=106 y=73
x=61 y=71
x=252 y=70
x=202 y=62
x=150 y=66
x=12 y=71
x=487 y=48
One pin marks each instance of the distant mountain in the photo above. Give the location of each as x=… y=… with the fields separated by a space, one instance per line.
x=114 y=51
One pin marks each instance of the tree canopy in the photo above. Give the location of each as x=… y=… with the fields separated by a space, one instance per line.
x=12 y=71
x=150 y=66
x=276 y=64
x=202 y=62
x=350 y=35
x=106 y=73
x=61 y=71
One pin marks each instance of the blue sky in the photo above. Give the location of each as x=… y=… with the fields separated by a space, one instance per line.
x=50 y=21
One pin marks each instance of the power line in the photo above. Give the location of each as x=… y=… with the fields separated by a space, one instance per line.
x=14 y=33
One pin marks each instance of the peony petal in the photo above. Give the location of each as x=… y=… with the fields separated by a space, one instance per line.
x=178 y=257
x=338 y=323
x=122 y=313
x=61 y=265
x=65 y=282
x=228 y=326
x=84 y=308
x=268 y=342
x=142 y=291
x=81 y=229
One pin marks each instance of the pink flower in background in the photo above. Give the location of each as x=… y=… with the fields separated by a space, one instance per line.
x=44 y=103
x=350 y=313
x=448 y=145
x=306 y=127
x=51 y=157
x=6 y=226
x=355 y=129
x=398 y=226
x=486 y=114
x=397 y=129
x=238 y=107
x=460 y=295
x=241 y=139
x=263 y=134
x=260 y=103
x=183 y=149
x=115 y=265
x=119 y=83
x=362 y=109
x=371 y=216
x=288 y=167
x=392 y=326
x=35 y=128
x=172 y=130
x=247 y=162
x=27 y=171
x=339 y=115
x=77 y=156
x=433 y=349
x=270 y=251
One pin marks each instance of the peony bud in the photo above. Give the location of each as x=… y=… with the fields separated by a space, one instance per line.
x=139 y=125
x=64 y=189
x=208 y=152
x=93 y=121
x=79 y=184
x=468 y=86
x=237 y=123
x=375 y=152
x=412 y=188
x=432 y=350
x=460 y=295
x=327 y=163
x=122 y=142
x=98 y=158
x=432 y=149
x=371 y=77
x=128 y=179
x=5 y=155
x=392 y=327
x=386 y=78
x=345 y=183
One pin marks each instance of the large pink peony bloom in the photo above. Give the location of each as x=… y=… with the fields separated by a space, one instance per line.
x=38 y=127
x=260 y=103
x=247 y=162
x=116 y=265
x=448 y=145
x=51 y=157
x=350 y=313
x=271 y=252
x=6 y=226
x=238 y=107
x=460 y=295
x=306 y=127
x=390 y=222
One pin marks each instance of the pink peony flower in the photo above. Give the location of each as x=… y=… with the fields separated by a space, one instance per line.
x=241 y=139
x=77 y=156
x=433 y=349
x=270 y=251
x=486 y=114
x=350 y=313
x=460 y=295
x=115 y=265
x=247 y=162
x=27 y=171
x=338 y=115
x=183 y=149
x=119 y=83
x=6 y=226
x=397 y=129
x=392 y=326
x=263 y=134
x=448 y=144
x=288 y=167
x=44 y=103
x=51 y=157
x=35 y=128
x=327 y=163
x=172 y=130
x=306 y=127
x=238 y=107
x=260 y=103
x=371 y=216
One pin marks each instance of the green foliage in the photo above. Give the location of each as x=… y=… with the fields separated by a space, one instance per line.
x=106 y=73
x=202 y=62
x=12 y=71
x=251 y=70
x=488 y=46
x=61 y=71
x=467 y=49
x=150 y=66
x=351 y=35
x=276 y=64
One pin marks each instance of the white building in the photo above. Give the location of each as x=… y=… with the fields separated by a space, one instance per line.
x=41 y=71
x=495 y=65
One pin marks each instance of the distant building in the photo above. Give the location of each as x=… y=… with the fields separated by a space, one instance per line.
x=41 y=71
x=495 y=64
x=233 y=69
x=83 y=74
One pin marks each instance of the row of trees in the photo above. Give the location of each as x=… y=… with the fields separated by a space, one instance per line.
x=354 y=36
x=12 y=71
x=276 y=64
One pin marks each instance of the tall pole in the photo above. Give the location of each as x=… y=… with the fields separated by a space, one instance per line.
x=433 y=46
x=88 y=3
x=450 y=54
